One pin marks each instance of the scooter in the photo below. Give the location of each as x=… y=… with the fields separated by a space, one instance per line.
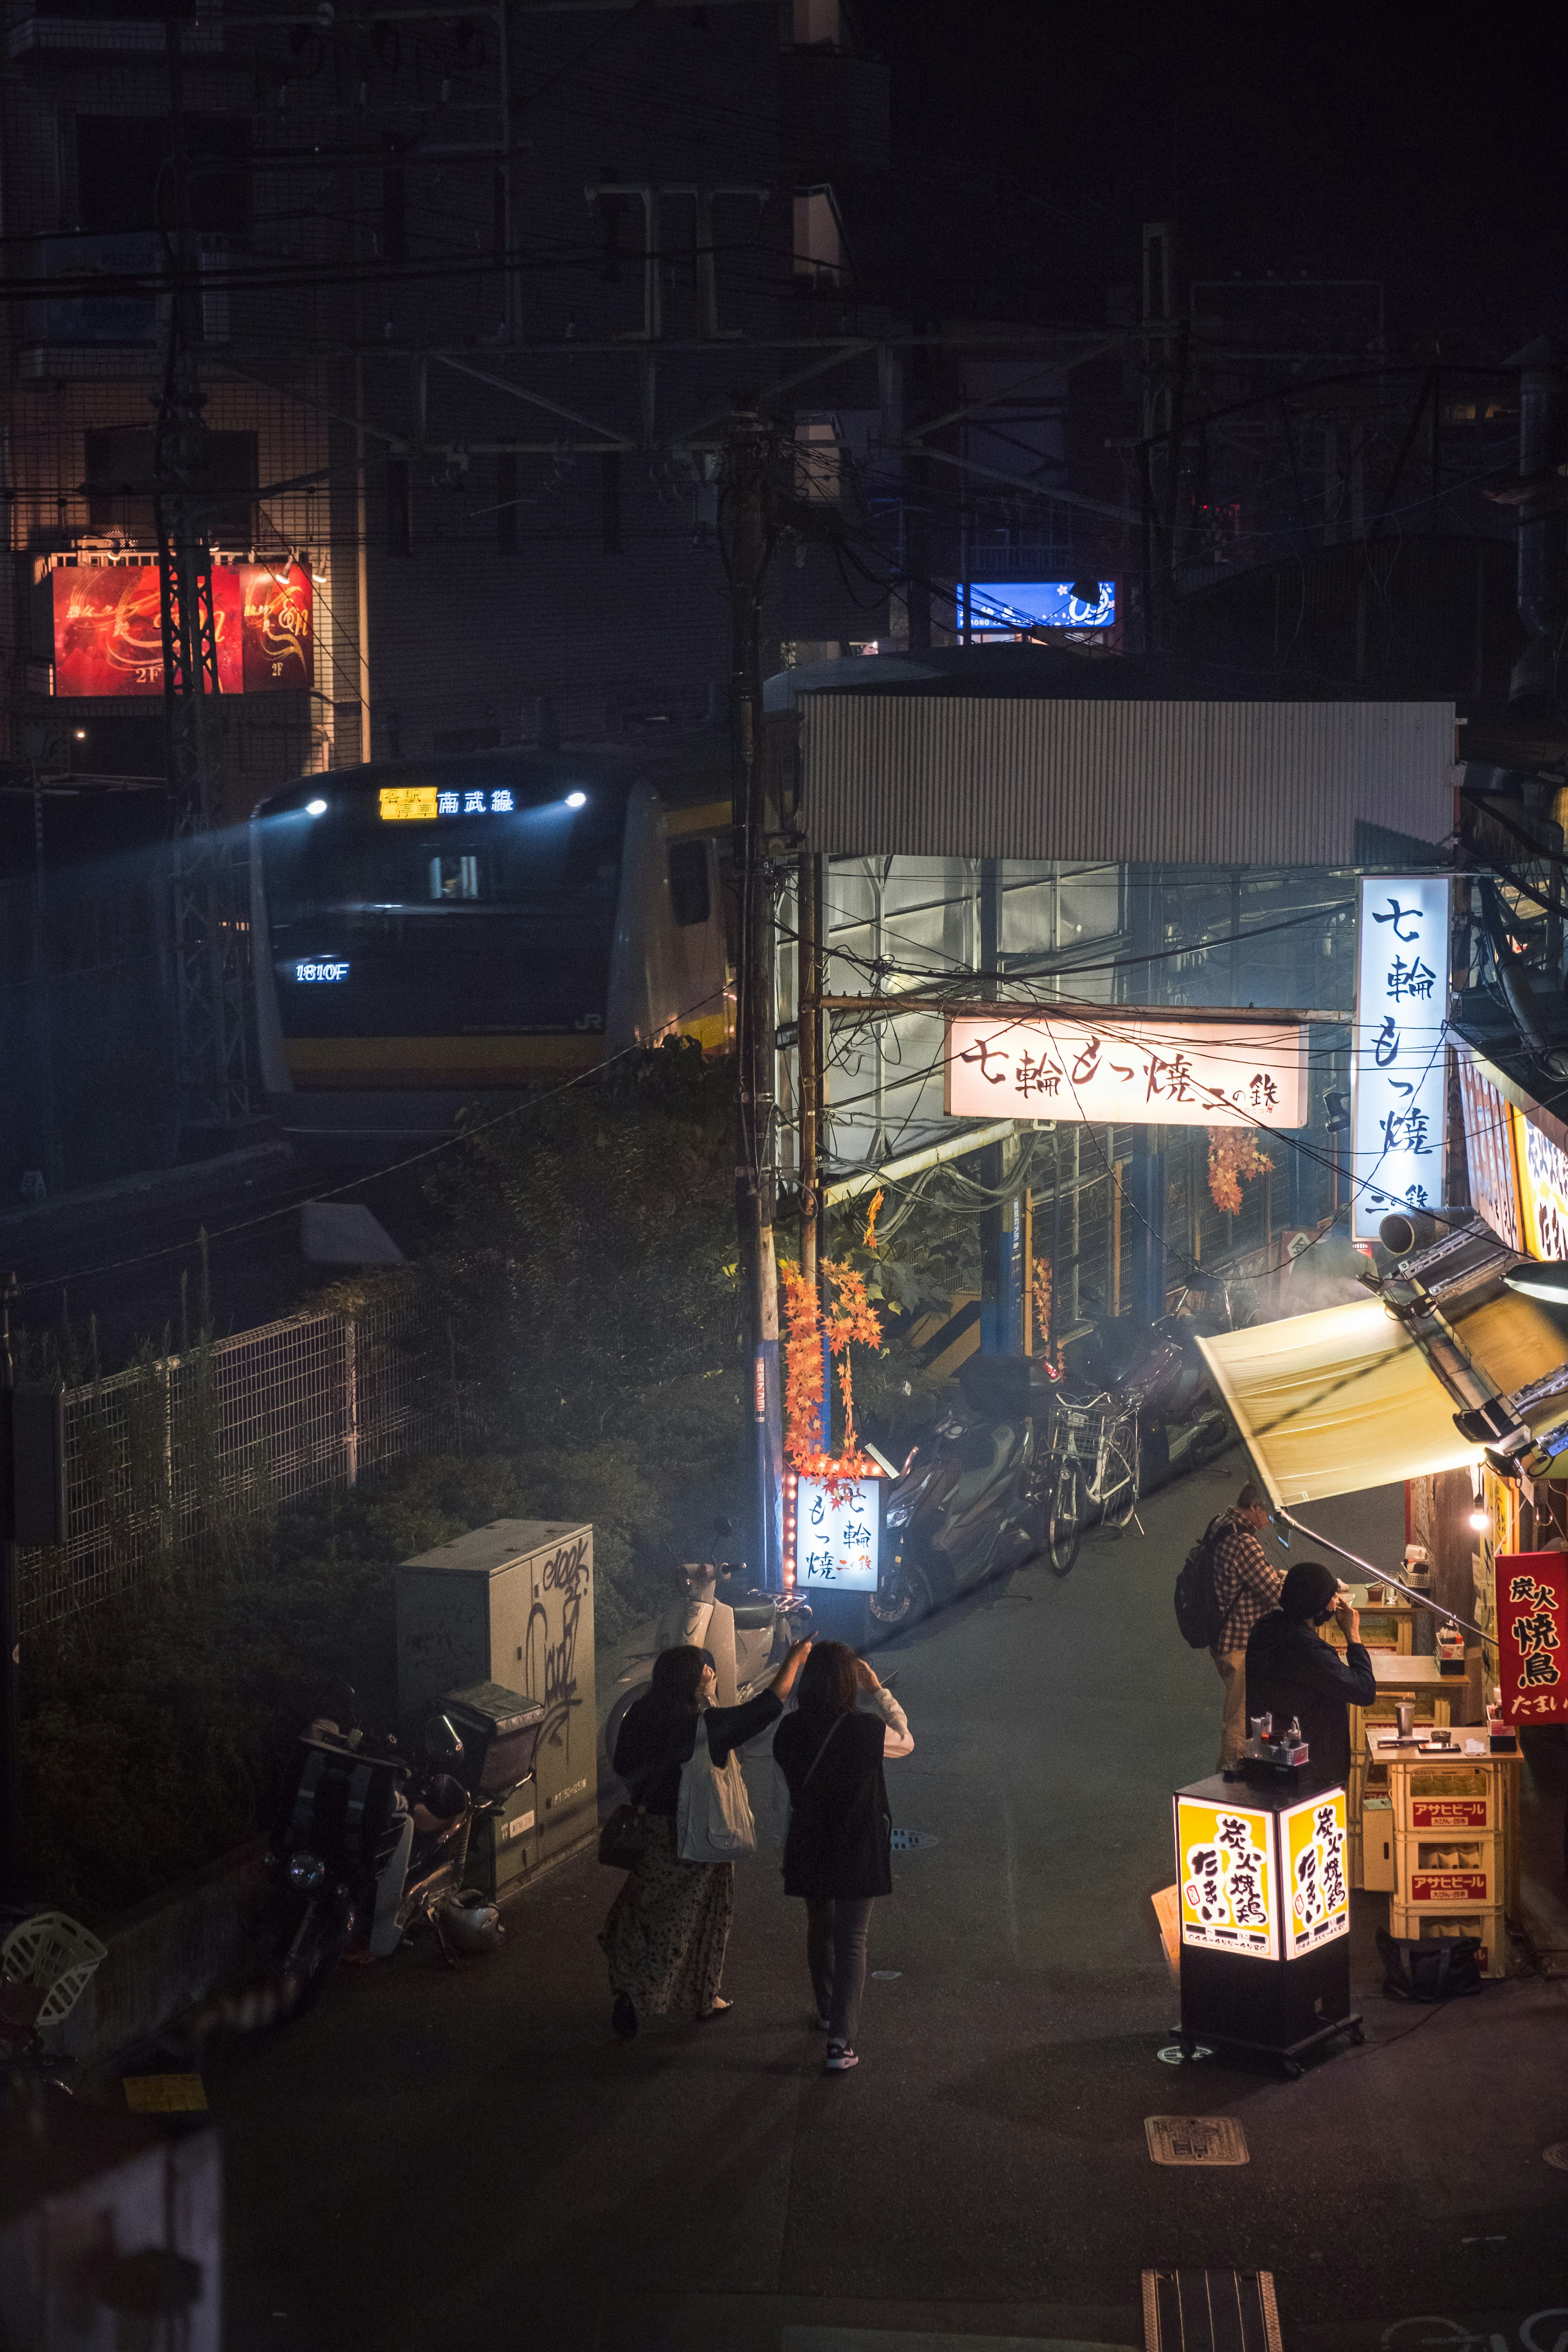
x=367 y=1846
x=1150 y=1369
x=766 y=1626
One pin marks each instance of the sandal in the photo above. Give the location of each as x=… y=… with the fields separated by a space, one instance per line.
x=720 y=2009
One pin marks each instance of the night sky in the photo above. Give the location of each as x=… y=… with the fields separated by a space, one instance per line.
x=1420 y=146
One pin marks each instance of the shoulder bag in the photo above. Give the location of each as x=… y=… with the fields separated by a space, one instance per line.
x=713 y=1817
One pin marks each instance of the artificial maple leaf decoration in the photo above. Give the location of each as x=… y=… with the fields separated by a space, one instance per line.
x=1234 y=1160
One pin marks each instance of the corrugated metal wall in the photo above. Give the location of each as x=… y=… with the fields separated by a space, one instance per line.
x=1184 y=782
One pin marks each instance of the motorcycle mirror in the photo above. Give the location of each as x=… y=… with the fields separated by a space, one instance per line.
x=442 y=1745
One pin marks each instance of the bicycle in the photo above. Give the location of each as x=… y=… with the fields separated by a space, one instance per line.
x=1091 y=1468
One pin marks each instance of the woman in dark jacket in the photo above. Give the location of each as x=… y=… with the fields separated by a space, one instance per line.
x=836 y=1852
x=668 y=1927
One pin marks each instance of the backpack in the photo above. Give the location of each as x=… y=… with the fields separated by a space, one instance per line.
x=1198 y=1613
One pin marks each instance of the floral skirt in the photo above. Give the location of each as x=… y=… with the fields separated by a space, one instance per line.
x=668 y=1927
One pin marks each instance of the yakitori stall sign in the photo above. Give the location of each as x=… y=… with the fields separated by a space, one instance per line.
x=1319 y=1884
x=1544 y=1190
x=1532 y=1635
x=1399 y=1066
x=1225 y=1073
x=108 y=629
x=1226 y=1866
x=1489 y=1153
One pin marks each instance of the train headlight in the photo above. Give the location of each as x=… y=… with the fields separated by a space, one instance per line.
x=576 y=800
x=315 y=808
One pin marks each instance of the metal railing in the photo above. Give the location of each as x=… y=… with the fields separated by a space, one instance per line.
x=167 y=1457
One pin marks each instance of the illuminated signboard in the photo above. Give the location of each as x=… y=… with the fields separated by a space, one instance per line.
x=108 y=628
x=320 y=970
x=1316 y=1882
x=1181 y=1073
x=1225 y=1873
x=1542 y=1171
x=1532 y=1635
x=1399 y=1065
x=1007 y=607
x=410 y=803
x=1490 y=1155
x=837 y=1537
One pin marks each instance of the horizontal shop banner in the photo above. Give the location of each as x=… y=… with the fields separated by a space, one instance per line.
x=1177 y=1074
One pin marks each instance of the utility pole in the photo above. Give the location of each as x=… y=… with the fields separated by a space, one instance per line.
x=209 y=979
x=746 y=552
x=808 y=1037
x=10 y=1626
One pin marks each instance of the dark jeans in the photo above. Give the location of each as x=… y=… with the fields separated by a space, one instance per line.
x=836 y=1953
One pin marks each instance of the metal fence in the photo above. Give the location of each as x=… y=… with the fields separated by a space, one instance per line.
x=172 y=1454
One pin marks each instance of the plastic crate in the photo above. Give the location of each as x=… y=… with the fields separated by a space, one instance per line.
x=56 y=1954
x=1487 y=1927
x=1444 y=1871
x=1434 y=1800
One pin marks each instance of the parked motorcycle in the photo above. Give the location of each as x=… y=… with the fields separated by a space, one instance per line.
x=966 y=1504
x=1152 y=1370
x=367 y=1846
x=766 y=1626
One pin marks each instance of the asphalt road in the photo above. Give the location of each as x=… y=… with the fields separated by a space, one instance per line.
x=447 y=2161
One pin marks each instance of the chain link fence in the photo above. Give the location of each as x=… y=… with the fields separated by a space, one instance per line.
x=172 y=1454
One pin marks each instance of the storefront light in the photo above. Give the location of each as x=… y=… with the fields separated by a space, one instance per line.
x=1480 y=1518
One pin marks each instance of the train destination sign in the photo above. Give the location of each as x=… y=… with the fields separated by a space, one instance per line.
x=1177 y=1074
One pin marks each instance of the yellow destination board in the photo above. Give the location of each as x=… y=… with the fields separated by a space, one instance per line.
x=401 y=802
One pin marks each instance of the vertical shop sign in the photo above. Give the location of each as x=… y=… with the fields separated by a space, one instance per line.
x=1317 y=1902
x=1489 y=1154
x=1544 y=1190
x=834 y=1531
x=1398 y=1066
x=1532 y=1635
x=1224 y=1867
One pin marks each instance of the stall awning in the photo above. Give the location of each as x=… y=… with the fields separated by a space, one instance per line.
x=1335 y=1402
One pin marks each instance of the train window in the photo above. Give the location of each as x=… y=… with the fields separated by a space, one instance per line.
x=454 y=877
x=688 y=894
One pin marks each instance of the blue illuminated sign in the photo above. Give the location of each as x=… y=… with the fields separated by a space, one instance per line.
x=320 y=970
x=475 y=803
x=1012 y=605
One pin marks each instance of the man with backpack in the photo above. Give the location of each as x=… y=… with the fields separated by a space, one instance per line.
x=1246 y=1586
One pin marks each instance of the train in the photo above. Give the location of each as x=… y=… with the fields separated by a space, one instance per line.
x=425 y=932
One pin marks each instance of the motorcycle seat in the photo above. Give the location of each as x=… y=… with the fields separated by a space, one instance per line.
x=753 y=1616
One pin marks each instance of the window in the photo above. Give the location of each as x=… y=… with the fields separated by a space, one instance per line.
x=120 y=474
x=688 y=892
x=818 y=239
x=121 y=182
x=399 y=507
x=454 y=877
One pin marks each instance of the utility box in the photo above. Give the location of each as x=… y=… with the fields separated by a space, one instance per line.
x=512 y=1603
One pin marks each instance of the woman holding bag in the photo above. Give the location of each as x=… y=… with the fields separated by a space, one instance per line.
x=830 y=1754
x=668 y=1927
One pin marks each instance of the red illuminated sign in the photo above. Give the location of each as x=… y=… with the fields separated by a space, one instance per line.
x=109 y=635
x=1532 y=1635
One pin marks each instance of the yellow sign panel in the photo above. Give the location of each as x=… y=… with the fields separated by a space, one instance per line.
x=1224 y=1868
x=400 y=803
x=1544 y=1190
x=1317 y=1894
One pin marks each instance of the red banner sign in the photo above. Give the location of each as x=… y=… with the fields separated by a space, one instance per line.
x=1448 y=1812
x=1532 y=1635
x=1448 y=1887
x=109 y=633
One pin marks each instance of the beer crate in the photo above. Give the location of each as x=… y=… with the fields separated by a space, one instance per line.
x=1421 y=1925
x=1443 y=1870
x=1450 y=1800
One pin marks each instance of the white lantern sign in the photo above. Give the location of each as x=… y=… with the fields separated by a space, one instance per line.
x=1399 y=1066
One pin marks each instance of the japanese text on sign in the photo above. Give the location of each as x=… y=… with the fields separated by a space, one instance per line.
x=1489 y=1153
x=1399 y=1069
x=1319 y=1892
x=1225 y=1873
x=1532 y=1635
x=836 y=1537
x=1544 y=1190
x=1180 y=1073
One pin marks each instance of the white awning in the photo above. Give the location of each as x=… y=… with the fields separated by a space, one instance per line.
x=1335 y=1402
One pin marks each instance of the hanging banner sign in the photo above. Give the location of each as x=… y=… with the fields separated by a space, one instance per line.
x=1532 y=1635
x=1179 y=1074
x=1544 y=1190
x=1224 y=1868
x=1318 y=1884
x=109 y=637
x=1398 y=1066
x=1489 y=1153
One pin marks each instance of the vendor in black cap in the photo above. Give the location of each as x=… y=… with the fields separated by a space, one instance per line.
x=1292 y=1671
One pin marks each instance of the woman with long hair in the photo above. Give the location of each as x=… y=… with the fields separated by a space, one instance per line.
x=836 y=1853
x=668 y=1927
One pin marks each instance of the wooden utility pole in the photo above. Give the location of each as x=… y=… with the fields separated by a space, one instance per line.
x=746 y=551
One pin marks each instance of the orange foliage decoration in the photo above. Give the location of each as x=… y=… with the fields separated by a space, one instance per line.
x=1234 y=1160
x=1040 y=1293
x=853 y=1317
x=876 y=1200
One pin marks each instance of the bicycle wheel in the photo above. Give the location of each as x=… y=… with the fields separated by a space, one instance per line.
x=1119 y=1487
x=1064 y=1520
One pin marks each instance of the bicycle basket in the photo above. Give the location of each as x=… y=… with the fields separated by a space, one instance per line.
x=55 y=1953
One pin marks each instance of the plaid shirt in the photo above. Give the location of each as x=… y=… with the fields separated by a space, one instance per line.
x=1246 y=1586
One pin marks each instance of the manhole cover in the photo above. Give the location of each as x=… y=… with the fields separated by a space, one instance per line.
x=906 y=1841
x=1557 y=2154
x=1196 y=2139
x=1173 y=2055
